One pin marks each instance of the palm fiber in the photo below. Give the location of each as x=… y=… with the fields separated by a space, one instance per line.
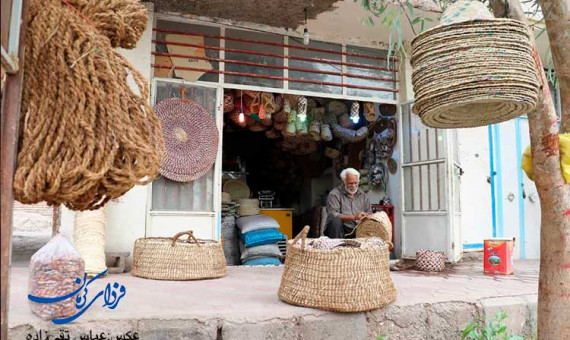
x=85 y=136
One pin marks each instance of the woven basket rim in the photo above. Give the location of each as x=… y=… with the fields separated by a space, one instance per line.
x=458 y=25
x=370 y=248
x=164 y=239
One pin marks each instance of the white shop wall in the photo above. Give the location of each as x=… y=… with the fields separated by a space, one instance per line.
x=126 y=215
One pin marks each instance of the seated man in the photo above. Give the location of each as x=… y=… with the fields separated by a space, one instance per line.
x=346 y=205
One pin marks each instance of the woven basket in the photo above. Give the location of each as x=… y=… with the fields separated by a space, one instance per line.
x=430 y=260
x=377 y=225
x=340 y=280
x=473 y=69
x=228 y=102
x=164 y=258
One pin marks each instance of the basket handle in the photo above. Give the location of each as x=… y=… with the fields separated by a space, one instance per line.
x=190 y=234
x=303 y=236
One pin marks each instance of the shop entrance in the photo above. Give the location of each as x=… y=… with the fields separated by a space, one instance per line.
x=291 y=160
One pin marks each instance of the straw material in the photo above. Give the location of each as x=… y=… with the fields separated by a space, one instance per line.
x=377 y=225
x=473 y=72
x=341 y=279
x=164 y=258
x=191 y=139
x=86 y=136
x=226 y=198
x=89 y=239
x=248 y=206
x=237 y=189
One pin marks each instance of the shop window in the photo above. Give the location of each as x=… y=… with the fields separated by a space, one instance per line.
x=194 y=60
x=353 y=58
x=253 y=58
x=424 y=164
x=324 y=71
x=197 y=195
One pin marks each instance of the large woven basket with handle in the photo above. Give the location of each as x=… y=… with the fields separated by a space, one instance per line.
x=164 y=258
x=346 y=279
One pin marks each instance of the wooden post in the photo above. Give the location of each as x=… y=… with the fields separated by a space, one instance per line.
x=10 y=119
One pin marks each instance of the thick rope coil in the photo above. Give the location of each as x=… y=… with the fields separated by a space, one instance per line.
x=85 y=136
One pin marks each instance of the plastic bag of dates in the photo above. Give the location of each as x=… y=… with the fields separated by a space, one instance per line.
x=56 y=270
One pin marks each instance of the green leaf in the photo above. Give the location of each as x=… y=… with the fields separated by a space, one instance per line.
x=428 y=19
x=416 y=20
x=422 y=26
x=466 y=332
x=410 y=7
x=382 y=9
x=502 y=329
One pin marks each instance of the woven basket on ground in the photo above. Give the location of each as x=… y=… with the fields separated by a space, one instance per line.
x=473 y=69
x=340 y=279
x=164 y=258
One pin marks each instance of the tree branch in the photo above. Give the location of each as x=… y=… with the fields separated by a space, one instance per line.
x=557 y=21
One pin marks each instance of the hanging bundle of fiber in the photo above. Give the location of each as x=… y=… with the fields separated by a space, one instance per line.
x=86 y=137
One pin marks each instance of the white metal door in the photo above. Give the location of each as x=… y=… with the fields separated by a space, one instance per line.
x=430 y=186
x=530 y=233
x=175 y=206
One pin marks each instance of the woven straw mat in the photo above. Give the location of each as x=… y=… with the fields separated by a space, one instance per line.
x=191 y=139
x=473 y=69
x=341 y=279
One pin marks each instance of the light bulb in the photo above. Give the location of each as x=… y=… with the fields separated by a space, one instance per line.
x=302 y=117
x=241 y=117
x=355 y=119
x=306 y=36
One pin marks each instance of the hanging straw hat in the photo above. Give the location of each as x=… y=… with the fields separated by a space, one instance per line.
x=473 y=69
x=268 y=103
x=369 y=112
x=191 y=139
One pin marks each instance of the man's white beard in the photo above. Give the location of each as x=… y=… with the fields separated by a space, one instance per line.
x=351 y=191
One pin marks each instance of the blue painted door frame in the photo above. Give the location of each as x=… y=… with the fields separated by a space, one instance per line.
x=497 y=183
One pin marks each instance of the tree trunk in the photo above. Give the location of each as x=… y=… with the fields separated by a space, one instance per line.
x=554 y=193
x=557 y=18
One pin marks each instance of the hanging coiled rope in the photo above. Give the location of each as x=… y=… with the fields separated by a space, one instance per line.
x=85 y=136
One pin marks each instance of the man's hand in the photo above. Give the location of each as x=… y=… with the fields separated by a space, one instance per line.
x=362 y=215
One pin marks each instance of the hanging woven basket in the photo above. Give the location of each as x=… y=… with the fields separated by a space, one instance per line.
x=473 y=69
x=165 y=258
x=346 y=279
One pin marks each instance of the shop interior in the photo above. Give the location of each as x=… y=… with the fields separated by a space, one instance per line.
x=289 y=151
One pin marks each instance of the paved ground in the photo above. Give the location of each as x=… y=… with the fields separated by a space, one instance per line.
x=244 y=305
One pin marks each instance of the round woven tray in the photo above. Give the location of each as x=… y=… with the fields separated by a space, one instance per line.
x=190 y=137
x=237 y=189
x=340 y=280
x=164 y=258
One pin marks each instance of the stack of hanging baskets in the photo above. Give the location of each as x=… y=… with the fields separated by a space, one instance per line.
x=165 y=258
x=473 y=69
x=350 y=279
